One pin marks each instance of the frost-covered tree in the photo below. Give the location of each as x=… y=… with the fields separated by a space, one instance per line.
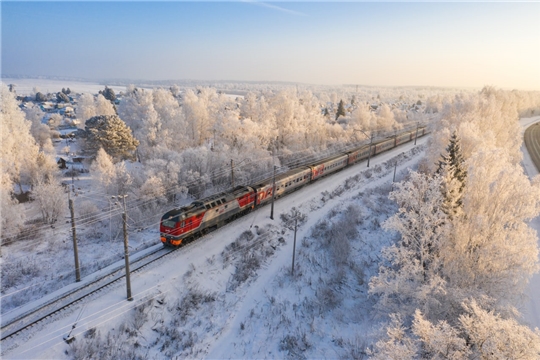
x=452 y=169
x=103 y=106
x=340 y=110
x=412 y=277
x=12 y=215
x=476 y=334
x=18 y=149
x=41 y=132
x=492 y=336
x=55 y=120
x=363 y=118
x=493 y=251
x=103 y=170
x=51 y=198
x=86 y=107
x=112 y=134
x=398 y=343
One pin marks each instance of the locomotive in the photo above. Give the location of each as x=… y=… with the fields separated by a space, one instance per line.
x=182 y=225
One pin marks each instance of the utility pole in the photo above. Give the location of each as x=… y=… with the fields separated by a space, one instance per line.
x=75 y=250
x=126 y=248
x=294 y=244
x=273 y=183
x=273 y=192
x=394 y=179
x=370 y=143
x=369 y=155
x=232 y=173
x=416 y=135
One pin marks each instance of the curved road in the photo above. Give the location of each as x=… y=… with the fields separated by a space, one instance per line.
x=532 y=142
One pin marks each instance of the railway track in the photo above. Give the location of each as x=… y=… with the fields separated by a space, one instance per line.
x=19 y=324
x=532 y=142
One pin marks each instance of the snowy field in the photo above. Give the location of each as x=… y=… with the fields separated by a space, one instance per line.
x=26 y=86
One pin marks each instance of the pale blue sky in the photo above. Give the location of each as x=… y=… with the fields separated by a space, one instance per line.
x=396 y=44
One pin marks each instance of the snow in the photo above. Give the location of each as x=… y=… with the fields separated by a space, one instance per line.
x=26 y=86
x=199 y=265
x=531 y=311
x=253 y=319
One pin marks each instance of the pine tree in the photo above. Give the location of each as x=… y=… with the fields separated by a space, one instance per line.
x=112 y=134
x=340 y=110
x=451 y=168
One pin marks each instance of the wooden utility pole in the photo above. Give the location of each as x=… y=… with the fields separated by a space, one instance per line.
x=294 y=243
x=416 y=135
x=126 y=250
x=273 y=181
x=75 y=250
x=370 y=144
x=394 y=179
x=232 y=173
x=273 y=194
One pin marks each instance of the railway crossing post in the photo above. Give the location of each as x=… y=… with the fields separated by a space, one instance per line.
x=126 y=248
x=75 y=249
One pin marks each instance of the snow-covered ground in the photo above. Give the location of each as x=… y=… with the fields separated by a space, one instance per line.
x=231 y=293
x=531 y=311
x=26 y=86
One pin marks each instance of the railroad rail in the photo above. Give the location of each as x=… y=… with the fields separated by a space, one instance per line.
x=532 y=142
x=35 y=316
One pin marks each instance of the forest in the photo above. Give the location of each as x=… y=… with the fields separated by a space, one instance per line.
x=461 y=252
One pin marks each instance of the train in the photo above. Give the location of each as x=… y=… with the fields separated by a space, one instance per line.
x=180 y=226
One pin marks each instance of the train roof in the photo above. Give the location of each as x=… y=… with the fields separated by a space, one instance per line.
x=322 y=161
x=283 y=175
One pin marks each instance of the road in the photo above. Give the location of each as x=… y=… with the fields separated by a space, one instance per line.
x=532 y=142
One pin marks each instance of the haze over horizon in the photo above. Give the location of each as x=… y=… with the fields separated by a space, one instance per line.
x=377 y=44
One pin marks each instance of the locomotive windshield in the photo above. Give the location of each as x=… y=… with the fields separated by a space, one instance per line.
x=171 y=223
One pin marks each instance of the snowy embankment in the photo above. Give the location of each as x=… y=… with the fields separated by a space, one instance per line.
x=231 y=293
x=531 y=311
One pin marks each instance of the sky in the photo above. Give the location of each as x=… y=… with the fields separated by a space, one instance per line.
x=452 y=44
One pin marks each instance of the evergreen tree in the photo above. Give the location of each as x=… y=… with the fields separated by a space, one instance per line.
x=40 y=97
x=109 y=94
x=340 y=109
x=451 y=168
x=112 y=134
x=61 y=97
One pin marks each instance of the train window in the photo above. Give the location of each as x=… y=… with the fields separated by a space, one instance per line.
x=226 y=206
x=183 y=223
x=208 y=206
x=223 y=201
x=213 y=204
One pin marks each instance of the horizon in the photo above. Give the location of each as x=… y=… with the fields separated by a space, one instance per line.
x=447 y=45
